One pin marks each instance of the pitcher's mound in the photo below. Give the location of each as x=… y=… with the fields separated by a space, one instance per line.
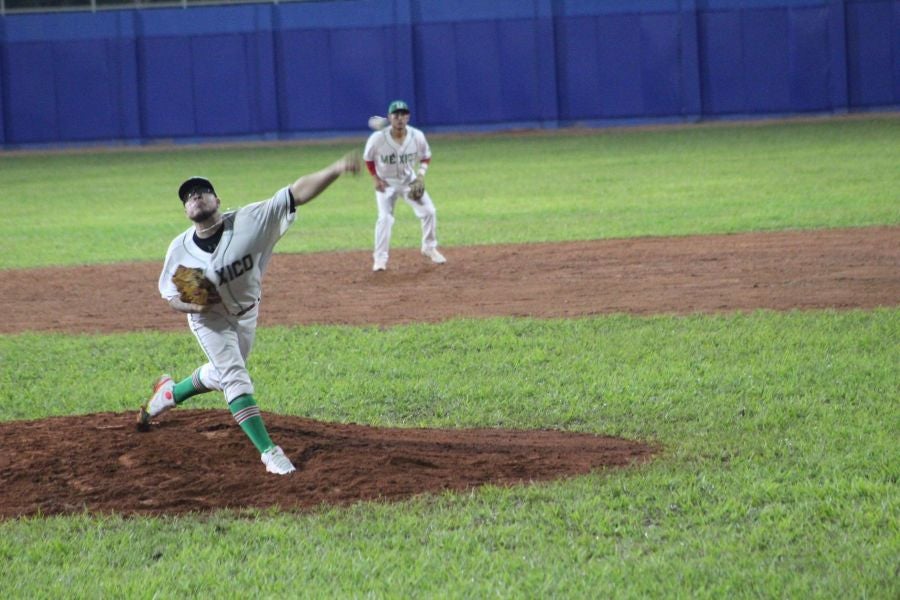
x=200 y=460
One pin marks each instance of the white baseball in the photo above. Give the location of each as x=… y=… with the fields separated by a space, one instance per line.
x=377 y=123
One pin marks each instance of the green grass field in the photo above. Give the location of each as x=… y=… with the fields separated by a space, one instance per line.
x=779 y=475
x=82 y=208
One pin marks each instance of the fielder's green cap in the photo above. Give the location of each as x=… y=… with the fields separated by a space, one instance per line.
x=193 y=182
x=397 y=106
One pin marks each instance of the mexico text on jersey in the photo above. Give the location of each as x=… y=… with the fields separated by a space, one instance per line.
x=237 y=264
x=395 y=162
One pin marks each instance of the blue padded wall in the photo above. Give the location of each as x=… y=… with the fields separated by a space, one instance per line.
x=630 y=66
x=626 y=60
x=305 y=68
x=31 y=109
x=339 y=63
x=484 y=62
x=3 y=69
x=167 y=89
x=873 y=53
x=68 y=77
x=770 y=59
x=213 y=75
x=809 y=69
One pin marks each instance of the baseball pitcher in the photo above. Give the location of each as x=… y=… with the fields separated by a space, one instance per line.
x=213 y=273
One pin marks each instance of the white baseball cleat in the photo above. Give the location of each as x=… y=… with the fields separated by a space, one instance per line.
x=435 y=256
x=379 y=265
x=276 y=461
x=162 y=400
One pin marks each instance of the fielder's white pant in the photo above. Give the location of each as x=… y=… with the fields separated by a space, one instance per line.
x=226 y=340
x=424 y=210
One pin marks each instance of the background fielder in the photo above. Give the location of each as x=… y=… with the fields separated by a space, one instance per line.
x=391 y=156
x=233 y=250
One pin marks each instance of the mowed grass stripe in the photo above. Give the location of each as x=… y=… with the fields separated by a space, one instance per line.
x=101 y=207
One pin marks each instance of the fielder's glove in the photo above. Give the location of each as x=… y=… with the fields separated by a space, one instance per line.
x=193 y=287
x=417 y=189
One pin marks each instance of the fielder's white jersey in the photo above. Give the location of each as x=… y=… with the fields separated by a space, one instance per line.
x=237 y=264
x=396 y=162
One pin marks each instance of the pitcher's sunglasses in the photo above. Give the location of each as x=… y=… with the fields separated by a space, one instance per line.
x=197 y=191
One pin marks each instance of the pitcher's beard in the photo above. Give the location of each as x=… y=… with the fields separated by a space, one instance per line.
x=203 y=216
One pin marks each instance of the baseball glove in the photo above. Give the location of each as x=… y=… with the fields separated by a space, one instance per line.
x=417 y=189
x=193 y=287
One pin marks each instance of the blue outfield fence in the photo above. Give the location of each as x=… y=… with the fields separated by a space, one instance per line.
x=320 y=68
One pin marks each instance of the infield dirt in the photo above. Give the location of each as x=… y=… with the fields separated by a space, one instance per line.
x=199 y=460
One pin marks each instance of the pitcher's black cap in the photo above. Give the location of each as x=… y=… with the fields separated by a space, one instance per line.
x=192 y=183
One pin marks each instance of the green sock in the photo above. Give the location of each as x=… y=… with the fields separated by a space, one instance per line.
x=247 y=415
x=189 y=387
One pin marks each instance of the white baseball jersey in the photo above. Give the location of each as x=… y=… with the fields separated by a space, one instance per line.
x=396 y=162
x=237 y=264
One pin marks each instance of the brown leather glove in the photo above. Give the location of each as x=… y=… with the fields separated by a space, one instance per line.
x=417 y=189
x=193 y=287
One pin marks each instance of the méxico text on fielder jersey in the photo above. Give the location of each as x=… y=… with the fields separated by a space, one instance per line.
x=395 y=162
x=238 y=263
